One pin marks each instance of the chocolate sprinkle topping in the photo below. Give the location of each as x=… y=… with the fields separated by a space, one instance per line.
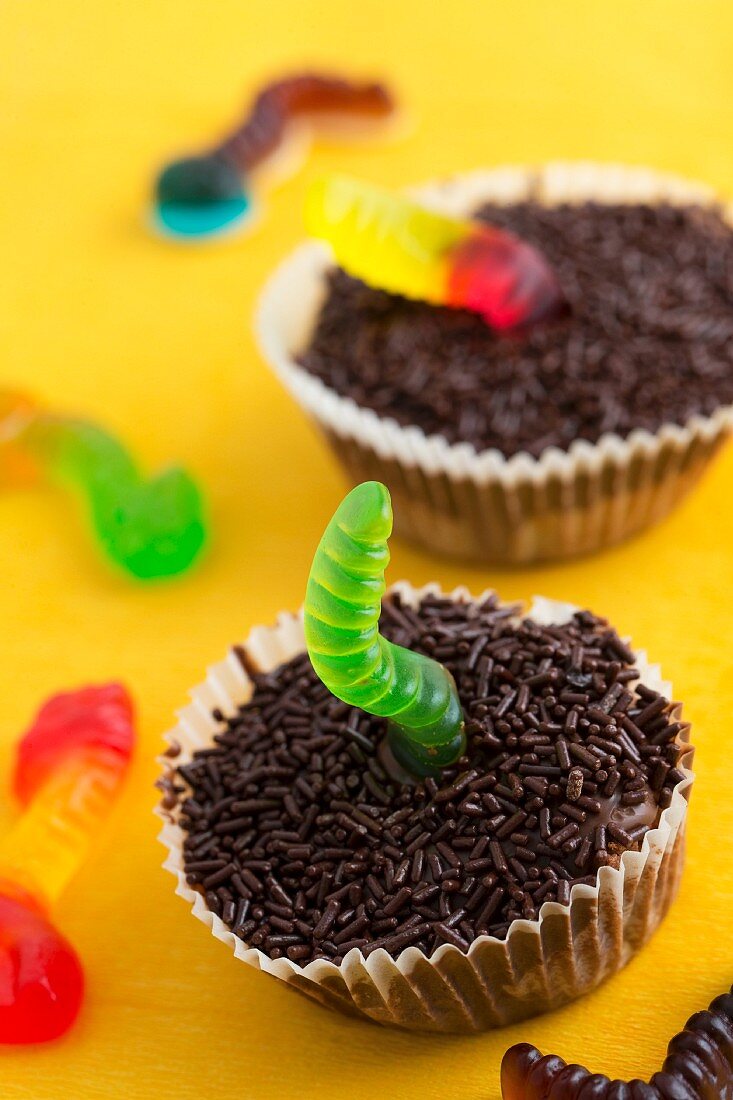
x=649 y=340
x=306 y=847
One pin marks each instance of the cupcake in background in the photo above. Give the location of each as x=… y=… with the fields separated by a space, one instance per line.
x=565 y=437
x=442 y=813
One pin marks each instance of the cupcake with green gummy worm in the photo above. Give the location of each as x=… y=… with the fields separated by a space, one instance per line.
x=433 y=810
x=536 y=362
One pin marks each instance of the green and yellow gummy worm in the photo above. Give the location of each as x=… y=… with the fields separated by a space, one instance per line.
x=342 y=607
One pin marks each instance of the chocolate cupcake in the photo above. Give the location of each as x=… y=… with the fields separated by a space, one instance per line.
x=519 y=879
x=555 y=442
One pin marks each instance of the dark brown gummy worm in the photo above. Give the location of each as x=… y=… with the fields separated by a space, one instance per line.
x=699 y=1066
x=282 y=101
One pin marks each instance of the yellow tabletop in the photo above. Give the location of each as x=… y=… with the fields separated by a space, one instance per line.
x=155 y=340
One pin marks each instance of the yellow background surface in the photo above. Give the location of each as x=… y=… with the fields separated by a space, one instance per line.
x=98 y=317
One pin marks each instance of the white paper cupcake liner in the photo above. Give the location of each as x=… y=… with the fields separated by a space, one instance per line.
x=480 y=505
x=541 y=964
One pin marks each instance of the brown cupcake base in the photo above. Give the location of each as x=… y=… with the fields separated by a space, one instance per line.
x=531 y=522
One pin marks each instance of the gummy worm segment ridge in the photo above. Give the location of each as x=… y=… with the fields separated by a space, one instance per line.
x=69 y=769
x=699 y=1066
x=284 y=100
x=342 y=608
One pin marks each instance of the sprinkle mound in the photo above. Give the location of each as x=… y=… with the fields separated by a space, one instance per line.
x=306 y=848
x=649 y=340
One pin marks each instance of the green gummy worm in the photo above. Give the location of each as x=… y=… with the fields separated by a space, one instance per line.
x=151 y=527
x=342 y=607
